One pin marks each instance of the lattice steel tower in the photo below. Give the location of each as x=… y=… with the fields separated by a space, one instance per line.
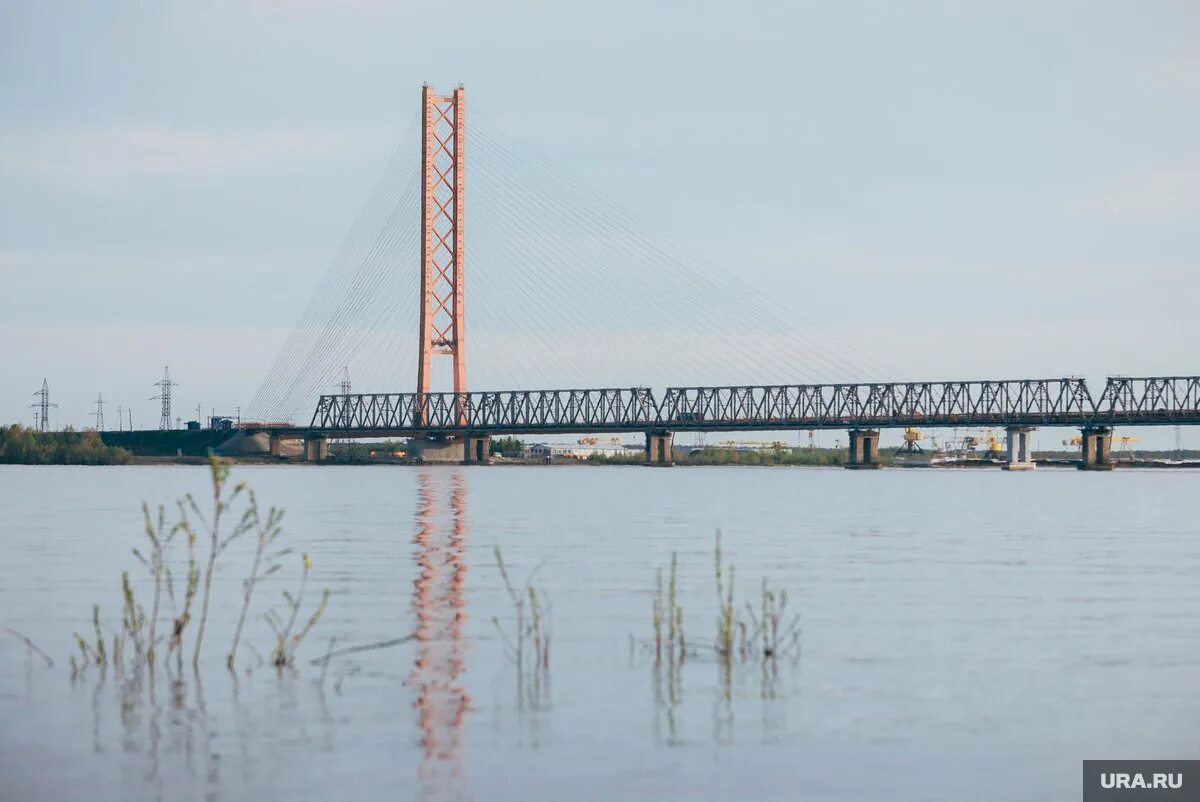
x=43 y=407
x=164 y=395
x=443 y=175
x=99 y=413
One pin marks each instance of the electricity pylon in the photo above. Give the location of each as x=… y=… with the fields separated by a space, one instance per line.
x=99 y=413
x=164 y=395
x=43 y=407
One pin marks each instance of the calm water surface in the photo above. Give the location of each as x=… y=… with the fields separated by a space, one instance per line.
x=965 y=635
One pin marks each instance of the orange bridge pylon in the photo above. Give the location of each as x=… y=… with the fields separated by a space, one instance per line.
x=443 y=175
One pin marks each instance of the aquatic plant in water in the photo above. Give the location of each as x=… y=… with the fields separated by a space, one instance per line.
x=533 y=667
x=285 y=642
x=267 y=531
x=139 y=630
x=221 y=503
x=763 y=634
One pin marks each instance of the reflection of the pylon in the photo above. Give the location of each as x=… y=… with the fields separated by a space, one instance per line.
x=440 y=610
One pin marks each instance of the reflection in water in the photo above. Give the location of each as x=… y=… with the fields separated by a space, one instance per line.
x=723 y=705
x=736 y=685
x=668 y=693
x=439 y=608
x=170 y=742
x=144 y=724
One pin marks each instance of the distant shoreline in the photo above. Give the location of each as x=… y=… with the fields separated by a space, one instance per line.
x=1054 y=464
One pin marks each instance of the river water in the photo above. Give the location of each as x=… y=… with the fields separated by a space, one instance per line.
x=962 y=635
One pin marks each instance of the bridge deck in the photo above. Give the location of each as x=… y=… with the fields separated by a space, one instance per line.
x=1145 y=401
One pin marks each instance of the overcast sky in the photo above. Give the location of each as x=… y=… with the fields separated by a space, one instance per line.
x=961 y=190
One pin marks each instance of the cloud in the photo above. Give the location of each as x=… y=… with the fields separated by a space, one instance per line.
x=109 y=157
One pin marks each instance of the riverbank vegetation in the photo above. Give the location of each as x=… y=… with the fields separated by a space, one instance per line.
x=632 y=457
x=509 y=447
x=20 y=445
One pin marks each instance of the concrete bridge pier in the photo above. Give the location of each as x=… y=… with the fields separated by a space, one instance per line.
x=864 y=449
x=1020 y=453
x=660 y=448
x=477 y=449
x=440 y=449
x=316 y=448
x=1096 y=449
x=275 y=445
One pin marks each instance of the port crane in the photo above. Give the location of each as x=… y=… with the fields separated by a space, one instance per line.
x=912 y=441
x=1123 y=443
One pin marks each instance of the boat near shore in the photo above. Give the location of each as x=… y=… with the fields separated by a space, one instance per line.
x=982 y=449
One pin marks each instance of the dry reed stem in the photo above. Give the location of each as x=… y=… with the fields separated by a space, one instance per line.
x=30 y=645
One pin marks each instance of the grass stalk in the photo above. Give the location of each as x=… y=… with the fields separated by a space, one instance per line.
x=219 y=473
x=285 y=642
x=29 y=644
x=100 y=652
x=266 y=533
x=658 y=616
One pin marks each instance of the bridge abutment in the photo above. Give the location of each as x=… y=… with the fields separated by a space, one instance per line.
x=1096 y=449
x=1020 y=449
x=660 y=448
x=864 y=449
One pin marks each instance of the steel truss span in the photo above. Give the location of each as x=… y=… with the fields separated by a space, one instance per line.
x=1147 y=401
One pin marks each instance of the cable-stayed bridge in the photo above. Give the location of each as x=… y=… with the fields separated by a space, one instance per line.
x=577 y=289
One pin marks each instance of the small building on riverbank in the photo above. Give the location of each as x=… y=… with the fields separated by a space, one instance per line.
x=583 y=449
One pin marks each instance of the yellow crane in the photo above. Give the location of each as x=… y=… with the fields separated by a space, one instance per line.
x=1123 y=442
x=912 y=441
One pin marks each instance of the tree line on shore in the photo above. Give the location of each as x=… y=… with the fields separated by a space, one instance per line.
x=22 y=445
